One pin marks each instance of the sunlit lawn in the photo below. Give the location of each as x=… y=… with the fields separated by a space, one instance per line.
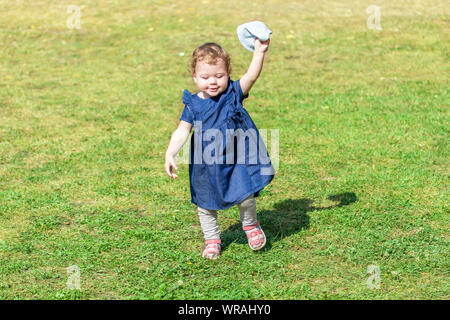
x=86 y=115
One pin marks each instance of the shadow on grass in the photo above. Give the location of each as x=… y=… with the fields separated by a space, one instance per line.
x=287 y=217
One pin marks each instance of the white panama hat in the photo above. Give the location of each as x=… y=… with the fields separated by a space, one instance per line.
x=248 y=32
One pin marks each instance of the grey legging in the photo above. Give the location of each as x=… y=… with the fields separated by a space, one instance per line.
x=208 y=218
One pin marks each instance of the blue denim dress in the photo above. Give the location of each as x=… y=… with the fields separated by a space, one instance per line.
x=228 y=158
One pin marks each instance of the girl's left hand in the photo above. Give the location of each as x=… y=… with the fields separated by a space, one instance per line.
x=261 y=46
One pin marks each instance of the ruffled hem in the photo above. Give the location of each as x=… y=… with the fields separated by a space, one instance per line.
x=256 y=192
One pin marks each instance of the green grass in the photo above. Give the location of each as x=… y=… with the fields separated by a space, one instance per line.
x=86 y=116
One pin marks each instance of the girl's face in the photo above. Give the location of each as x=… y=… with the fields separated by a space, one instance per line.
x=211 y=79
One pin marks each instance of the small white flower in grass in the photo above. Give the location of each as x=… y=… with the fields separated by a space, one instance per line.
x=181 y=54
x=180 y=282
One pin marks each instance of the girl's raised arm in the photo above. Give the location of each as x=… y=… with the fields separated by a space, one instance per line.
x=250 y=77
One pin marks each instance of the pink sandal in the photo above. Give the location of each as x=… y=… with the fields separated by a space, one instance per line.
x=255 y=236
x=212 y=249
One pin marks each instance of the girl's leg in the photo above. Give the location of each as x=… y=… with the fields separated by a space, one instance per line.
x=255 y=236
x=247 y=209
x=211 y=233
x=208 y=222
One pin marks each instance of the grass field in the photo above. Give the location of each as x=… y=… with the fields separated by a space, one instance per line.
x=86 y=116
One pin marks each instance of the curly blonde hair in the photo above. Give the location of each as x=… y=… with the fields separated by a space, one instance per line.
x=210 y=53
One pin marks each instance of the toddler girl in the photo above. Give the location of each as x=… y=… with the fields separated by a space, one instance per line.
x=222 y=173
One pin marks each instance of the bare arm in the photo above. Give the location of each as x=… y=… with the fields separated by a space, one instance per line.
x=179 y=138
x=254 y=70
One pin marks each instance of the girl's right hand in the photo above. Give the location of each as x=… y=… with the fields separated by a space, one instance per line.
x=261 y=46
x=170 y=165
